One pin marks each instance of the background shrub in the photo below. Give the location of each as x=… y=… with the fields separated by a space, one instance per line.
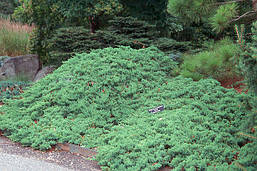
x=70 y=40
x=125 y=31
x=133 y=32
x=171 y=46
x=7 y=7
x=216 y=62
x=247 y=61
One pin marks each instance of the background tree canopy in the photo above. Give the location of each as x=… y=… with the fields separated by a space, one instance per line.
x=220 y=14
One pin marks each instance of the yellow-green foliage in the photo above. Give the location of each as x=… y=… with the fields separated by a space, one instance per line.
x=223 y=16
x=216 y=62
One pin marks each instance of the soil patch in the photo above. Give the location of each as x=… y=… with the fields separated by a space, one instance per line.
x=235 y=83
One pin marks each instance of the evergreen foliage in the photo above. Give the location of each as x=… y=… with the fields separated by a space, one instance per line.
x=50 y=15
x=67 y=41
x=247 y=62
x=133 y=32
x=168 y=45
x=216 y=62
x=81 y=11
x=191 y=11
x=125 y=31
x=220 y=14
x=224 y=14
x=7 y=7
x=101 y=99
x=198 y=130
x=151 y=11
x=10 y=89
x=103 y=86
x=138 y=33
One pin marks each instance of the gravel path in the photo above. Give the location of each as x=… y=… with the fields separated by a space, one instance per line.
x=10 y=162
x=14 y=157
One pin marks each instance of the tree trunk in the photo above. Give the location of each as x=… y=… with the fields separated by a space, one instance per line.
x=254 y=5
x=93 y=24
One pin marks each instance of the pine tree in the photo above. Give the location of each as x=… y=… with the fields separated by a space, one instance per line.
x=219 y=14
x=248 y=59
x=132 y=32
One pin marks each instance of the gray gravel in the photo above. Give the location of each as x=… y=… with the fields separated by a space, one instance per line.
x=10 y=162
x=13 y=156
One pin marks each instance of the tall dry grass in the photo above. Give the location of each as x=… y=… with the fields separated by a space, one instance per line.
x=14 y=38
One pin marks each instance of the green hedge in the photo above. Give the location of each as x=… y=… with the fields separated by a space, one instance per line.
x=101 y=99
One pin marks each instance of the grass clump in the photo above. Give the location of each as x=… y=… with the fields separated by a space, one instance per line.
x=216 y=62
x=14 y=38
x=101 y=99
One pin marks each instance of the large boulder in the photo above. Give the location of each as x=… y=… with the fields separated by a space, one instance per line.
x=44 y=72
x=25 y=66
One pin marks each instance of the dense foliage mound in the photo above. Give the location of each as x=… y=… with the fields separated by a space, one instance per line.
x=198 y=129
x=101 y=99
x=104 y=86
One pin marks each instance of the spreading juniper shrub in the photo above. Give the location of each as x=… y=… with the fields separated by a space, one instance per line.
x=85 y=97
x=197 y=130
x=101 y=99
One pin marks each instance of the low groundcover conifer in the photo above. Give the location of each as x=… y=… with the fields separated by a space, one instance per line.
x=101 y=99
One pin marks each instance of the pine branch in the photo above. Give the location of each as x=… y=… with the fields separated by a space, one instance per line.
x=247 y=135
x=248 y=14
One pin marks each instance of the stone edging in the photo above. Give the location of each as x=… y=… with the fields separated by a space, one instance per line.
x=76 y=149
x=88 y=153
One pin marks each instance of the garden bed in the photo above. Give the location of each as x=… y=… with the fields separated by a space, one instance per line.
x=102 y=100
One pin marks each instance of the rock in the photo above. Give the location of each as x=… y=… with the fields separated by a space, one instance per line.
x=2 y=60
x=44 y=72
x=25 y=66
x=177 y=57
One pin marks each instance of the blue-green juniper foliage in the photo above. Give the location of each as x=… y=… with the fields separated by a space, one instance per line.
x=101 y=99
